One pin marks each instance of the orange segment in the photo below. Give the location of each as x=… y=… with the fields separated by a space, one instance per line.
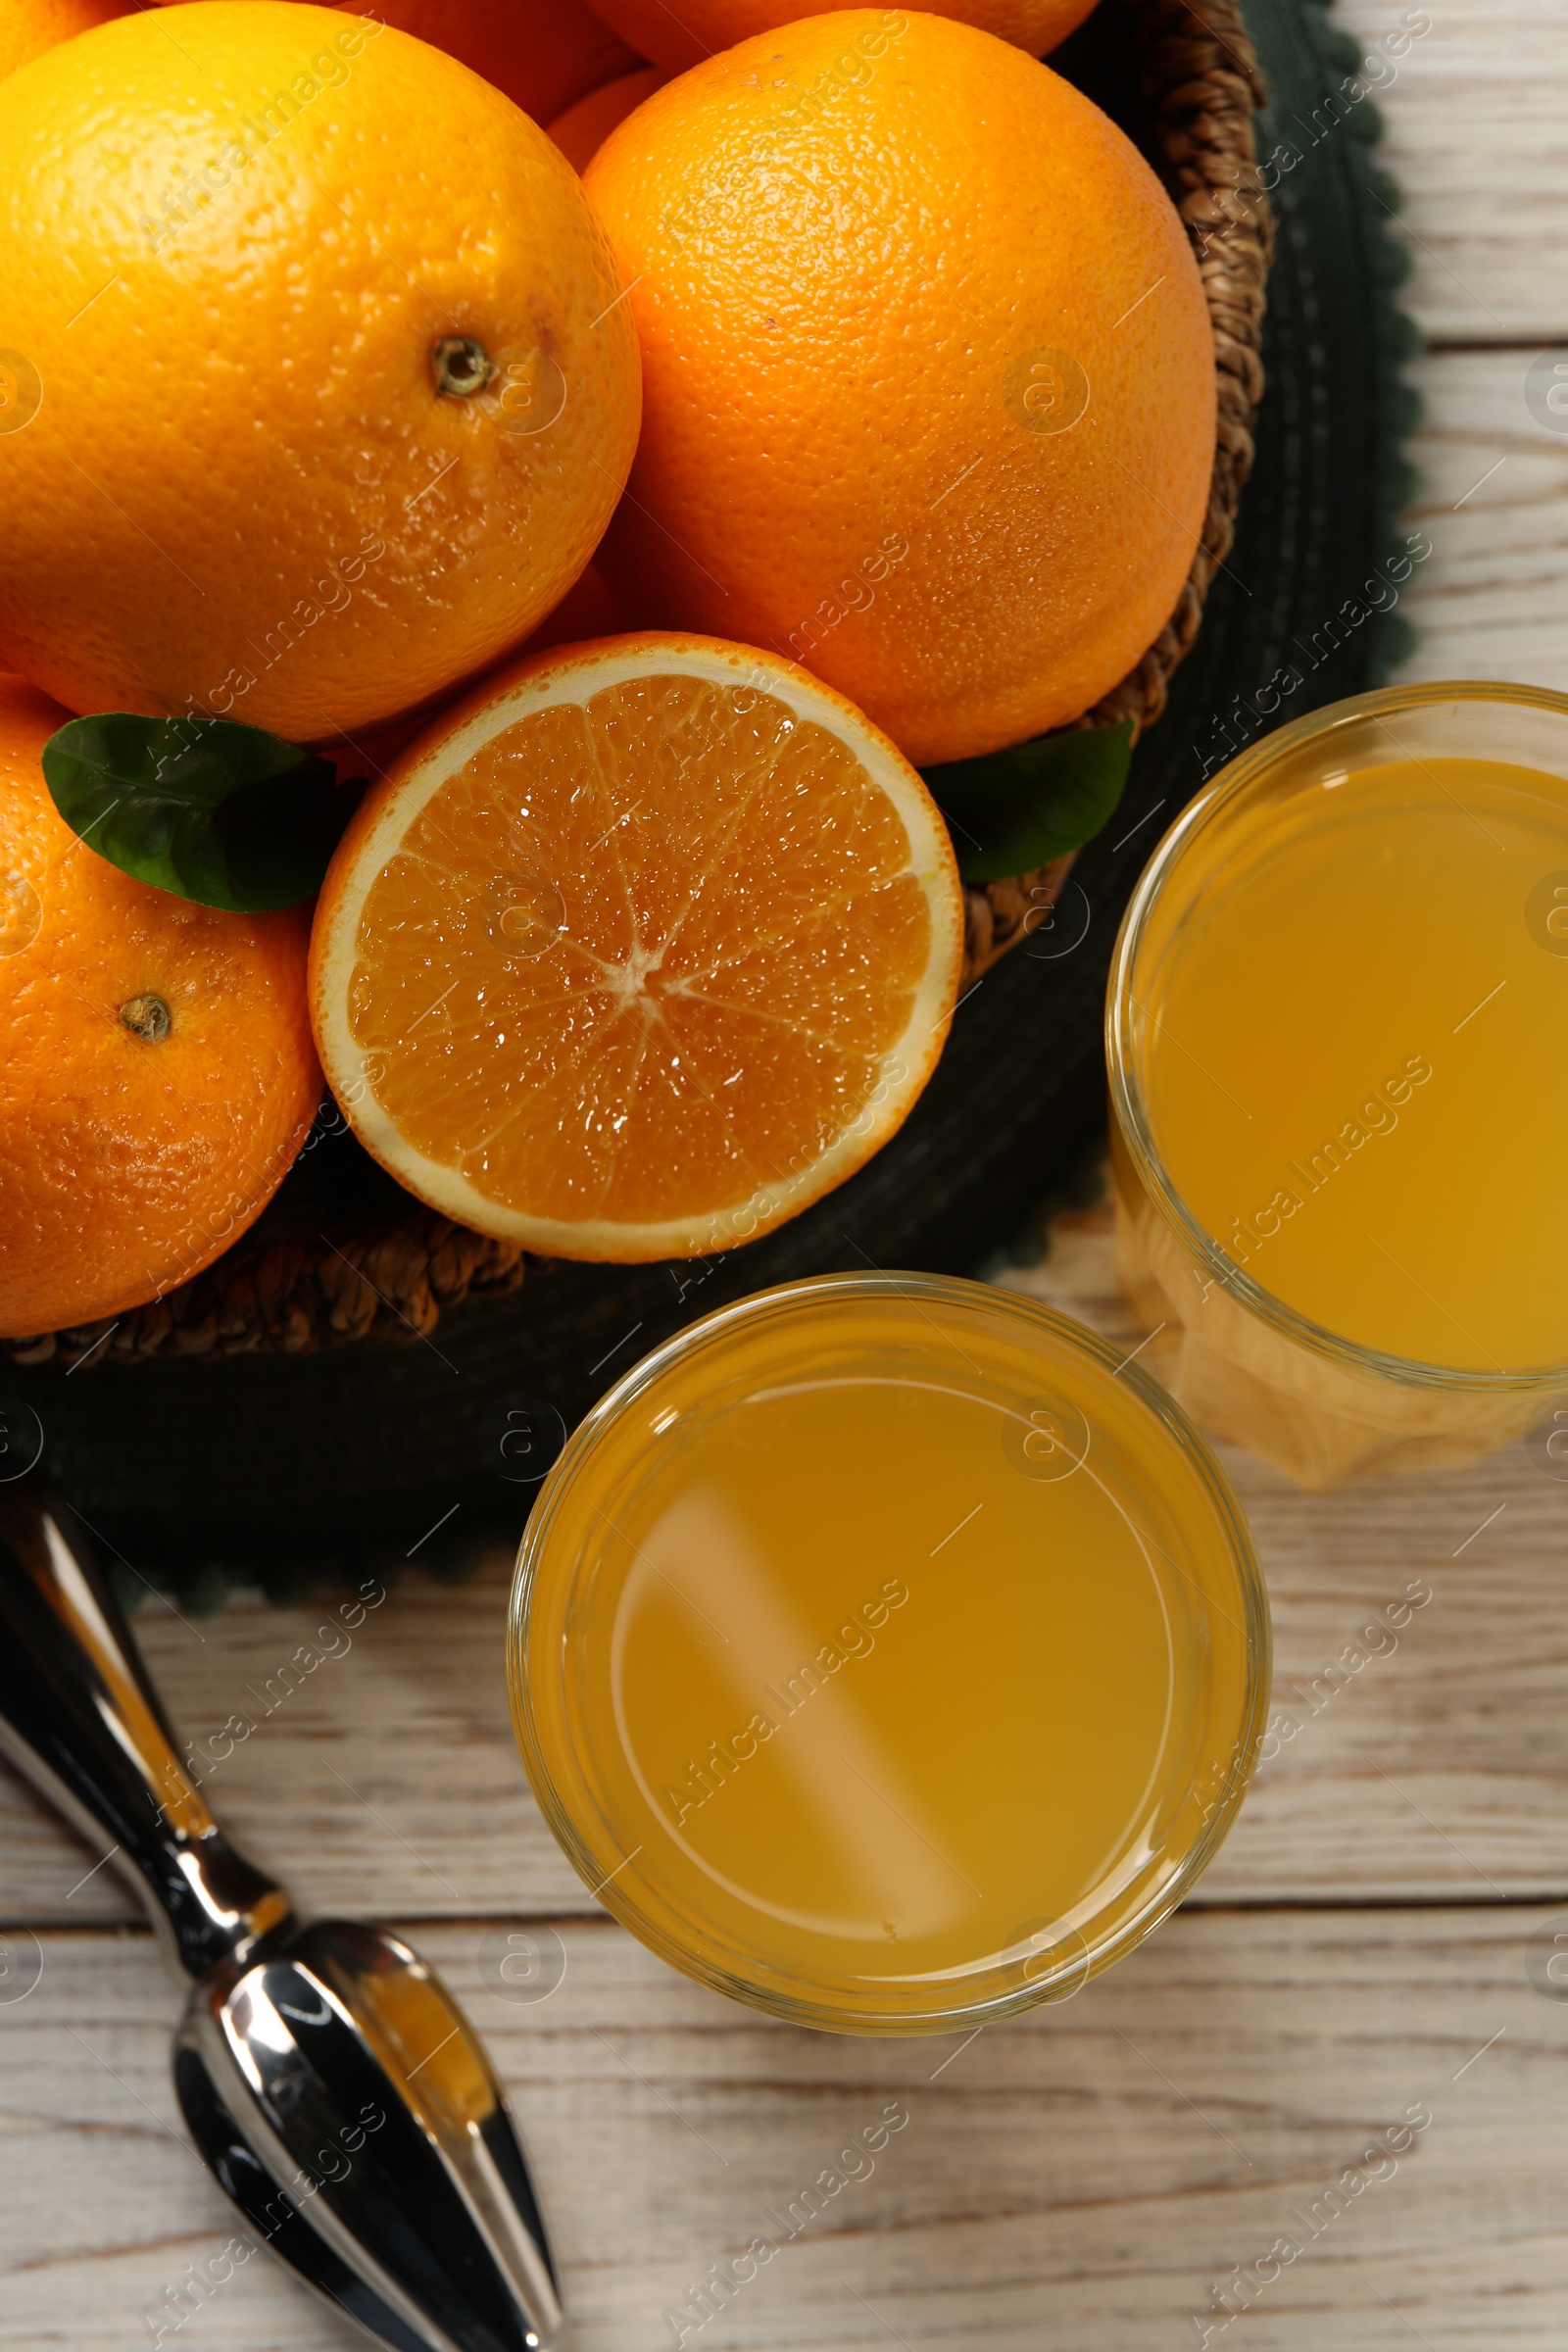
x=650 y=943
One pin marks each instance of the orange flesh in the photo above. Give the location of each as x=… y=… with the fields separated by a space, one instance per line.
x=578 y=875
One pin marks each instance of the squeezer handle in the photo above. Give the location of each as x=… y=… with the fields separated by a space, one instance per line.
x=80 y=1718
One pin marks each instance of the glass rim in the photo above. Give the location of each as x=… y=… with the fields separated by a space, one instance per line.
x=814 y=2005
x=1240 y=777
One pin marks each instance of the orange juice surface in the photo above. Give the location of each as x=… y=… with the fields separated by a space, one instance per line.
x=884 y=1653
x=1355 y=1083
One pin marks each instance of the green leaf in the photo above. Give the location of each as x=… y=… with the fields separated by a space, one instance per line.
x=1016 y=810
x=224 y=814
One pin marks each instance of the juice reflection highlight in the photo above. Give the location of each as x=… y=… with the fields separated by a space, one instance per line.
x=887 y=1655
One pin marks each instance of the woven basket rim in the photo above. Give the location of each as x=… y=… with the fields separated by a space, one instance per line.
x=1201 y=79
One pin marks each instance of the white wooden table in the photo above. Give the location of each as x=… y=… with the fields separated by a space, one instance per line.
x=1088 y=2179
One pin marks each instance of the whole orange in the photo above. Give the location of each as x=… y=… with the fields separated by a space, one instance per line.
x=927 y=375
x=321 y=396
x=28 y=28
x=582 y=129
x=702 y=27
x=158 y=1077
x=545 y=54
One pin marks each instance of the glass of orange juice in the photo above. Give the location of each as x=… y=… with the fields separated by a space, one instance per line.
x=886 y=1653
x=1336 y=1031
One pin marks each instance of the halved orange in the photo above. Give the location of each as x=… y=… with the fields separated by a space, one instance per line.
x=640 y=949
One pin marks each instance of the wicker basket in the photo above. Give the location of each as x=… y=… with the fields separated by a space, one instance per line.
x=391 y=1277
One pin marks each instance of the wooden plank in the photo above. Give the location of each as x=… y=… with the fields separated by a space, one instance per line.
x=1489 y=601
x=385 y=1779
x=1473 y=135
x=1072 y=2181
x=388 y=1781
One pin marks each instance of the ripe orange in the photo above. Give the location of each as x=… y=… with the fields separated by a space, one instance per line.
x=28 y=28
x=583 y=128
x=928 y=377
x=591 y=609
x=158 y=1076
x=294 y=243
x=544 y=54
x=702 y=27
x=638 y=952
